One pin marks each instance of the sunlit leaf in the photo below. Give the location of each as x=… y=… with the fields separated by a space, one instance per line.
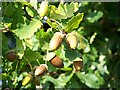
x=27 y=31
x=74 y=22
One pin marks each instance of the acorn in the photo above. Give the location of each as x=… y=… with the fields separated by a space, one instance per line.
x=56 y=41
x=55 y=60
x=71 y=40
x=11 y=56
x=43 y=8
x=78 y=64
x=40 y=70
x=27 y=79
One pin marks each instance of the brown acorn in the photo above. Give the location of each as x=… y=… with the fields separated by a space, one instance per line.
x=40 y=70
x=57 y=62
x=11 y=56
x=71 y=40
x=78 y=64
x=56 y=41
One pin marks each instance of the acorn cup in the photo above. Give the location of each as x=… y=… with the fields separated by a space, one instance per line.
x=56 y=41
x=42 y=69
x=27 y=79
x=78 y=64
x=43 y=8
x=55 y=60
x=71 y=40
x=11 y=55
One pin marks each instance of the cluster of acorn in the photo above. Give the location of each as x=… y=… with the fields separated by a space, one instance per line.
x=37 y=71
x=55 y=43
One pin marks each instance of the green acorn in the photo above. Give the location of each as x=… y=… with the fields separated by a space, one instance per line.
x=56 y=41
x=71 y=40
x=43 y=8
x=27 y=79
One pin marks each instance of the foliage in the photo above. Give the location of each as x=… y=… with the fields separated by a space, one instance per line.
x=96 y=26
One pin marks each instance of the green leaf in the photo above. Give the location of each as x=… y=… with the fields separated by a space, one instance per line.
x=4 y=43
x=29 y=11
x=73 y=83
x=90 y=79
x=55 y=15
x=9 y=10
x=32 y=43
x=19 y=48
x=26 y=31
x=69 y=9
x=82 y=41
x=64 y=11
x=94 y=16
x=74 y=22
x=61 y=81
x=32 y=56
x=52 y=24
x=34 y=3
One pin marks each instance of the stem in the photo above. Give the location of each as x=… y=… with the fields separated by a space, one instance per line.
x=28 y=63
x=38 y=61
x=71 y=75
x=57 y=23
x=46 y=62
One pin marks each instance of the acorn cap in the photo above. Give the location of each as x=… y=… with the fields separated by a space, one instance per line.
x=50 y=55
x=40 y=70
x=44 y=66
x=57 y=62
x=61 y=34
x=78 y=64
